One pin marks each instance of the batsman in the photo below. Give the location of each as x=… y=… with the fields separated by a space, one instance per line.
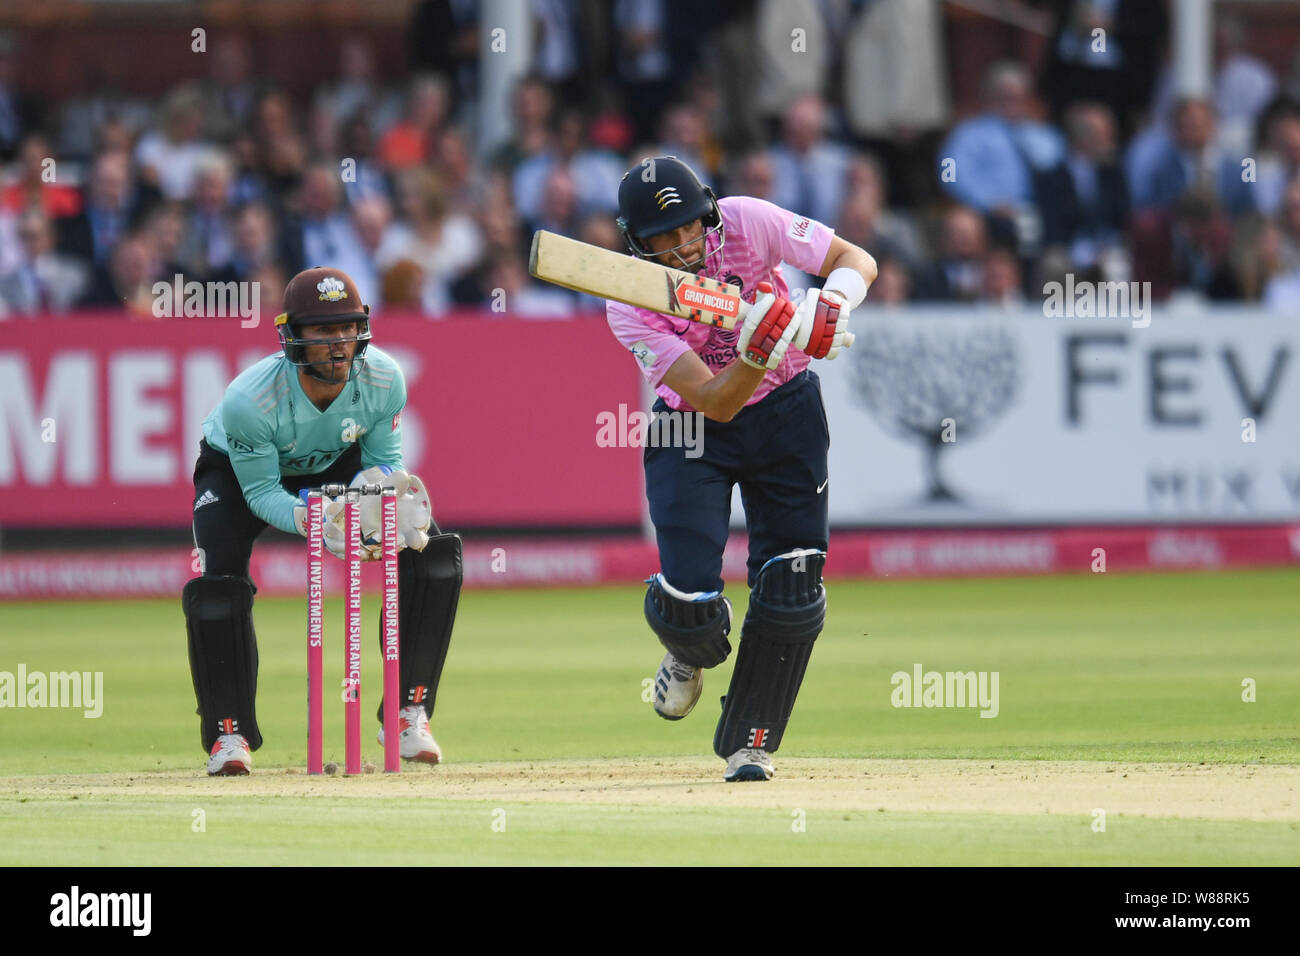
x=325 y=409
x=765 y=430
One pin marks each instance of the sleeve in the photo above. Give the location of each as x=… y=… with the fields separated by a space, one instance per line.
x=649 y=337
x=381 y=444
x=778 y=235
x=253 y=455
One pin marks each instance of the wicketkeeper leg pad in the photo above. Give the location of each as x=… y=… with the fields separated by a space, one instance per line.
x=693 y=627
x=429 y=583
x=223 y=656
x=786 y=611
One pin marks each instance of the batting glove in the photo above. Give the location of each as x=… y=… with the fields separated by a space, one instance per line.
x=770 y=325
x=823 y=324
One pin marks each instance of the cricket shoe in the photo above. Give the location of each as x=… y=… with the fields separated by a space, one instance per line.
x=748 y=763
x=230 y=757
x=415 y=742
x=677 y=687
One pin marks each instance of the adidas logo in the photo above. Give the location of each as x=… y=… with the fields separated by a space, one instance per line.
x=206 y=498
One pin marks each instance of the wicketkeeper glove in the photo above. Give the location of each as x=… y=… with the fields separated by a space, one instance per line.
x=334 y=514
x=769 y=327
x=414 y=514
x=372 y=509
x=333 y=530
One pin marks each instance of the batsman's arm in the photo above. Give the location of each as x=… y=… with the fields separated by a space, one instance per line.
x=824 y=313
x=843 y=254
x=771 y=325
x=719 y=396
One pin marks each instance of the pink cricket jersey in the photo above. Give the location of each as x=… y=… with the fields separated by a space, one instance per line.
x=758 y=238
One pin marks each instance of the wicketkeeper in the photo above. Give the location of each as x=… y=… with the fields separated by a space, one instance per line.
x=325 y=409
x=765 y=430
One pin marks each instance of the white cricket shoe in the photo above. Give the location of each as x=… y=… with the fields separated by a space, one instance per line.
x=230 y=757
x=748 y=763
x=677 y=687
x=415 y=742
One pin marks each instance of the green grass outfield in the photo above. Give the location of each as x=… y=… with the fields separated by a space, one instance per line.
x=1118 y=671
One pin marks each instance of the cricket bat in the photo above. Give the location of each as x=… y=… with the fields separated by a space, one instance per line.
x=639 y=282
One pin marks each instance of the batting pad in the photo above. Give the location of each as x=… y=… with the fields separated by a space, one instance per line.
x=693 y=628
x=787 y=609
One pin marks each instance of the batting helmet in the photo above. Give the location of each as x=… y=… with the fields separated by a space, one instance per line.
x=661 y=194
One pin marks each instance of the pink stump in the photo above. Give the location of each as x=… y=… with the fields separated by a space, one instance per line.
x=392 y=659
x=315 y=634
x=352 y=662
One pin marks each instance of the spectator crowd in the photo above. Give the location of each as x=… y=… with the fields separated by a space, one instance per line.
x=1090 y=165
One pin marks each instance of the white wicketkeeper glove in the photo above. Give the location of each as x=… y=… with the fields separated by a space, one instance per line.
x=336 y=529
x=333 y=528
x=414 y=514
x=372 y=509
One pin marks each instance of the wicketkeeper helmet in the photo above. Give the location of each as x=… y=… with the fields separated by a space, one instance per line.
x=322 y=296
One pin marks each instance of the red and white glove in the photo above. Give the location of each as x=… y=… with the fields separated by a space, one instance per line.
x=770 y=326
x=824 y=314
x=823 y=324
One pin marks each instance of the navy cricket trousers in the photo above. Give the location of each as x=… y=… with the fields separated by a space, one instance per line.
x=776 y=451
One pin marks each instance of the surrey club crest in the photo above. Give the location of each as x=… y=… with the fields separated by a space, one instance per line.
x=331 y=289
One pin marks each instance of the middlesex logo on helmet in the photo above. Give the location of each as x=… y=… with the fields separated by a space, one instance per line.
x=667 y=197
x=331 y=289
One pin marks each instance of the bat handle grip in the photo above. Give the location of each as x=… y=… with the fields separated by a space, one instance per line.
x=738 y=319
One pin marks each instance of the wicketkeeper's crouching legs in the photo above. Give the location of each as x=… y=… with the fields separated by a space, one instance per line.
x=223 y=656
x=429 y=583
x=219 y=605
x=787 y=608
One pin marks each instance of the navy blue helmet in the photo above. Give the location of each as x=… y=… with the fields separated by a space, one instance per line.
x=660 y=194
